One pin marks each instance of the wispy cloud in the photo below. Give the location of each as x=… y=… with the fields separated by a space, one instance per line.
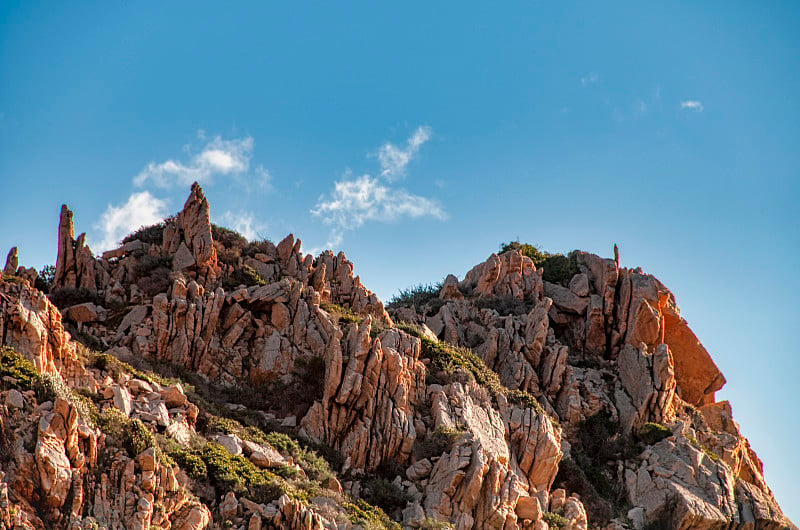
x=394 y=160
x=355 y=201
x=218 y=157
x=141 y=209
x=694 y=105
x=243 y=222
x=589 y=79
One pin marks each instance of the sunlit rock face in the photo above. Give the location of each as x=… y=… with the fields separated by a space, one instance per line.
x=220 y=383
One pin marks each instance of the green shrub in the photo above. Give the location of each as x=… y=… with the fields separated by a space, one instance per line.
x=69 y=296
x=385 y=494
x=14 y=365
x=416 y=296
x=263 y=246
x=555 y=520
x=709 y=453
x=153 y=274
x=536 y=255
x=652 y=433
x=504 y=305
x=246 y=276
x=50 y=387
x=596 y=446
x=113 y=423
x=410 y=328
x=448 y=359
x=370 y=517
x=560 y=269
x=153 y=234
x=45 y=278
x=227 y=237
x=137 y=437
x=316 y=467
x=557 y=267
x=343 y=315
x=190 y=462
x=108 y=363
x=238 y=474
x=439 y=441
x=433 y=524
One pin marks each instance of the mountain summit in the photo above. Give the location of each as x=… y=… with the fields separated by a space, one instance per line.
x=192 y=379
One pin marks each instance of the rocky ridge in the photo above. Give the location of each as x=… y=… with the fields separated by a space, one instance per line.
x=191 y=379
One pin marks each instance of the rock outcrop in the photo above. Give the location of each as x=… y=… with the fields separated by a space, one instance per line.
x=211 y=375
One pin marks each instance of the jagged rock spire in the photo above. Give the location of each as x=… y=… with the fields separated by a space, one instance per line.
x=189 y=238
x=12 y=262
x=65 y=260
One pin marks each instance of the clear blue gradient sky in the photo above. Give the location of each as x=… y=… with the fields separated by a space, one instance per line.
x=418 y=137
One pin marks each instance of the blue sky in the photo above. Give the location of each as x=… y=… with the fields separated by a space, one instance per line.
x=417 y=137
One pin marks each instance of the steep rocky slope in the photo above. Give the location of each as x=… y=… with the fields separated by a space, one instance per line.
x=191 y=379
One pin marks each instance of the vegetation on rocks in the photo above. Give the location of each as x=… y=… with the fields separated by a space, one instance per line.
x=45 y=278
x=256 y=394
x=440 y=440
x=70 y=296
x=449 y=363
x=417 y=296
x=246 y=275
x=651 y=433
x=152 y=234
x=14 y=365
x=343 y=315
x=558 y=268
x=368 y=516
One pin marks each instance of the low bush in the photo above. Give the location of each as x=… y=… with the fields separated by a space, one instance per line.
x=410 y=328
x=227 y=238
x=597 y=445
x=439 y=441
x=433 y=524
x=385 y=494
x=447 y=359
x=652 y=433
x=50 y=387
x=246 y=276
x=504 y=305
x=69 y=296
x=536 y=255
x=555 y=520
x=137 y=437
x=190 y=462
x=343 y=315
x=263 y=246
x=152 y=234
x=560 y=269
x=12 y=364
x=238 y=474
x=360 y=512
x=557 y=268
x=416 y=296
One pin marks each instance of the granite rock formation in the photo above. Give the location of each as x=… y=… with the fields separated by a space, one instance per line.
x=190 y=379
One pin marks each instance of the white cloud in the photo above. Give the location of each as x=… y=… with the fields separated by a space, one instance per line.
x=394 y=160
x=218 y=157
x=589 y=79
x=141 y=209
x=696 y=106
x=243 y=222
x=356 y=201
